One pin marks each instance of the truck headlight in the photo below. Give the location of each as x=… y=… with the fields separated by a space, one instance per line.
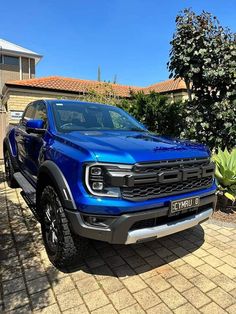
x=97 y=179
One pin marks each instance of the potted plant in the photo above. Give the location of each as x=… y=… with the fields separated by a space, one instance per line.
x=225 y=177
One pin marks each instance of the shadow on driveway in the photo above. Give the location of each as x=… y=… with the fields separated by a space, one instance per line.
x=29 y=281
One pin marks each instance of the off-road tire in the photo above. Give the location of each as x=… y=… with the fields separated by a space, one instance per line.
x=70 y=248
x=9 y=170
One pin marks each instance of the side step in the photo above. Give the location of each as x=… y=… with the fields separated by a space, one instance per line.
x=28 y=192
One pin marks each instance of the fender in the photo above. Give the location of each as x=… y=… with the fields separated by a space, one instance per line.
x=8 y=145
x=50 y=169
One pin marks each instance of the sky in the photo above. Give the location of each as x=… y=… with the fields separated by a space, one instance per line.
x=127 y=38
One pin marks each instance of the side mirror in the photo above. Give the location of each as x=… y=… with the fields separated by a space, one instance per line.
x=35 y=126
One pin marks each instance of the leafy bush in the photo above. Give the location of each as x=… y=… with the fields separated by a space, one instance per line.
x=156 y=112
x=212 y=124
x=226 y=172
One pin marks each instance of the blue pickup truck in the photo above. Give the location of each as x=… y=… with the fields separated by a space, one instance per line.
x=91 y=171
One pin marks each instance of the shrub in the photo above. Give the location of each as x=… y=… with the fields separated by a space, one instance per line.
x=156 y=112
x=226 y=172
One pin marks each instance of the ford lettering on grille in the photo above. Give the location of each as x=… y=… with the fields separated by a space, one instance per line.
x=185 y=174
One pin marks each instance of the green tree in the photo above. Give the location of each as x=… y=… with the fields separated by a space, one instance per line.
x=203 y=54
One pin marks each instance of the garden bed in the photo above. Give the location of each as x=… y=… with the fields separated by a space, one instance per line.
x=225 y=210
x=226 y=215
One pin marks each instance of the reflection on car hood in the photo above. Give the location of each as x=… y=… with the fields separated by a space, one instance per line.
x=131 y=147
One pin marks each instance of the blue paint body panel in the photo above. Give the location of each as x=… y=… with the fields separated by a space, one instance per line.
x=70 y=151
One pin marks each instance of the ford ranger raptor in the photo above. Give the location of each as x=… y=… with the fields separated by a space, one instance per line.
x=91 y=171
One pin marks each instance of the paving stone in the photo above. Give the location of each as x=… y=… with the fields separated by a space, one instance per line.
x=20 y=310
x=227 y=270
x=144 y=251
x=42 y=299
x=193 y=260
x=102 y=272
x=172 y=298
x=95 y=299
x=221 y=297
x=212 y=308
x=224 y=282
x=213 y=261
x=134 y=284
x=51 y=309
x=87 y=285
x=186 y=309
x=15 y=300
x=166 y=271
x=80 y=274
x=111 y=284
x=135 y=261
x=180 y=283
x=69 y=300
x=217 y=252
x=187 y=271
x=233 y=293
x=145 y=271
x=81 y=309
x=232 y=309
x=122 y=299
x=123 y=271
x=201 y=253
x=203 y=283
x=55 y=274
x=157 y=283
x=115 y=261
x=229 y=259
x=95 y=261
x=208 y=271
x=62 y=285
x=196 y=297
x=163 y=252
x=133 y=309
x=147 y=298
x=38 y=284
x=160 y=308
x=34 y=272
x=13 y=285
x=154 y=260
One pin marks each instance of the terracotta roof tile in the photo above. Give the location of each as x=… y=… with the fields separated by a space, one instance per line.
x=166 y=86
x=59 y=83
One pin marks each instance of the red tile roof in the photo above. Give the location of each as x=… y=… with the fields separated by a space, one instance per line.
x=58 y=83
x=167 y=86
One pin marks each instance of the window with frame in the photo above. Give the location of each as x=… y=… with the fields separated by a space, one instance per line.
x=10 y=60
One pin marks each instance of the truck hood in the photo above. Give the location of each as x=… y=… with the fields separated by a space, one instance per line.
x=132 y=147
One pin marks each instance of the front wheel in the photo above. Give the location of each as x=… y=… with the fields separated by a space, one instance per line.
x=62 y=246
x=9 y=170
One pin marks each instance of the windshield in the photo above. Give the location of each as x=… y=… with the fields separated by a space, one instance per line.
x=72 y=116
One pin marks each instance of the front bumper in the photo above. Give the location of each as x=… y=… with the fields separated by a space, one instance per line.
x=122 y=230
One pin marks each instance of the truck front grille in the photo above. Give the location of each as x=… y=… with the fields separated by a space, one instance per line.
x=153 y=190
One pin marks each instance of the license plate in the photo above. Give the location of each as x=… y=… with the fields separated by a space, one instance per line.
x=182 y=205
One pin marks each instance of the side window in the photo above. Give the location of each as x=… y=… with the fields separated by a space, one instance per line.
x=29 y=114
x=41 y=113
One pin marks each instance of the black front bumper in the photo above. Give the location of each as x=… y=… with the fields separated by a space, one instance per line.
x=118 y=231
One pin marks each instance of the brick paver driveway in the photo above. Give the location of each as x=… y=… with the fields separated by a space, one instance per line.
x=190 y=272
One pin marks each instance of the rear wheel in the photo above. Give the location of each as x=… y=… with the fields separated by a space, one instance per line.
x=9 y=170
x=62 y=246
